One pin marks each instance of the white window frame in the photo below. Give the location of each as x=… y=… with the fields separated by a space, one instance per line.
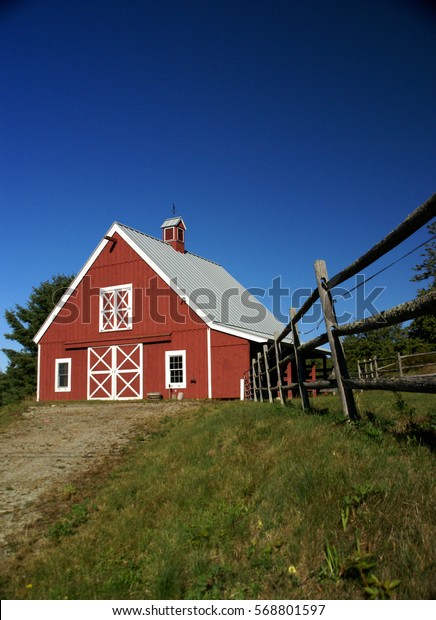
x=168 y=383
x=115 y=290
x=58 y=361
x=173 y=237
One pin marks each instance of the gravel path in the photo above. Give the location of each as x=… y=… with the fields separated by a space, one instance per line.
x=50 y=445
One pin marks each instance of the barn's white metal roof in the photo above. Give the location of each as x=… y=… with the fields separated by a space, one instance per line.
x=220 y=300
x=208 y=287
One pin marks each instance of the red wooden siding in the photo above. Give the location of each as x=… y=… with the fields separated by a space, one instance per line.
x=51 y=351
x=230 y=359
x=160 y=323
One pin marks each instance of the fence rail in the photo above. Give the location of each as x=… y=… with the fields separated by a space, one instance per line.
x=371 y=368
x=266 y=378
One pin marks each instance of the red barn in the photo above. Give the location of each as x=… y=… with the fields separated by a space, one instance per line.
x=144 y=315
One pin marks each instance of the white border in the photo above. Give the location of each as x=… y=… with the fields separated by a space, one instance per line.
x=109 y=289
x=209 y=365
x=119 y=372
x=63 y=360
x=114 y=371
x=168 y=384
x=250 y=609
x=38 y=375
x=109 y=371
x=74 y=284
x=173 y=238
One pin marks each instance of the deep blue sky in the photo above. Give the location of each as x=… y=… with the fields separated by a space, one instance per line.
x=284 y=131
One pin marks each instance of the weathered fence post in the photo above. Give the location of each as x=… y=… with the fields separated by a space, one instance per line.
x=338 y=357
x=400 y=366
x=279 y=369
x=324 y=368
x=259 y=374
x=299 y=362
x=268 y=378
x=375 y=367
x=253 y=369
x=359 y=372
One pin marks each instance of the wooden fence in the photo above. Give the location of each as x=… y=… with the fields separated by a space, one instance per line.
x=399 y=365
x=265 y=379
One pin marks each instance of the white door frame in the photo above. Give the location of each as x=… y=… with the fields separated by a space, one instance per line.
x=114 y=359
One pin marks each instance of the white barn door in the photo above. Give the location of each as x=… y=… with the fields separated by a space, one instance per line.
x=115 y=372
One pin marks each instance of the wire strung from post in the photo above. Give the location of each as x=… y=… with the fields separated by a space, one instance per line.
x=391 y=264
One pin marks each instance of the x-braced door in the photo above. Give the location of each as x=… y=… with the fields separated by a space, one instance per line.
x=115 y=372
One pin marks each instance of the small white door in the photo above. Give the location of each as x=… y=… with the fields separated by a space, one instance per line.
x=115 y=372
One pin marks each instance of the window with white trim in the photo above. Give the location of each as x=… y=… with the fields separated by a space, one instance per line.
x=175 y=369
x=116 y=308
x=63 y=375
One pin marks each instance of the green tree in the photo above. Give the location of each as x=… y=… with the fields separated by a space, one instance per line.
x=422 y=330
x=421 y=333
x=2 y=386
x=427 y=269
x=384 y=342
x=19 y=379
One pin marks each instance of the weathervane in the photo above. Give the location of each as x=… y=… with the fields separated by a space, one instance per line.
x=174 y=209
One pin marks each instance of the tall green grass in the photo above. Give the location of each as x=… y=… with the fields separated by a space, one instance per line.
x=244 y=500
x=11 y=412
x=407 y=417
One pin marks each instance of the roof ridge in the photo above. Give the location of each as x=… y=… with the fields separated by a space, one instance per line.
x=165 y=243
x=139 y=231
x=208 y=260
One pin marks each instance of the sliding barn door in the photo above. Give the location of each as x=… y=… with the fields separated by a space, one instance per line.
x=115 y=372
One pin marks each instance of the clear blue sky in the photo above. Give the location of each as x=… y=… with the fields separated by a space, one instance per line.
x=284 y=131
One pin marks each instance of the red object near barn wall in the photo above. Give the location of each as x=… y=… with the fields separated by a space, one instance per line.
x=230 y=359
x=129 y=363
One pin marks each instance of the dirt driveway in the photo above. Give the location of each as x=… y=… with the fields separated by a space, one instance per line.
x=49 y=446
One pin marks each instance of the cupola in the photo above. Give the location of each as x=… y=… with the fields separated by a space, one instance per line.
x=173 y=233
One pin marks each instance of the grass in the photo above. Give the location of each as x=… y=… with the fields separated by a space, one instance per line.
x=11 y=412
x=243 y=500
x=406 y=417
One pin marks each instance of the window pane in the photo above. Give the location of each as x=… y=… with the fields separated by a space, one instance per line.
x=177 y=376
x=122 y=309
x=176 y=369
x=63 y=374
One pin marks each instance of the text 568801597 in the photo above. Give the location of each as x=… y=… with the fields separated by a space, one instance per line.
x=289 y=610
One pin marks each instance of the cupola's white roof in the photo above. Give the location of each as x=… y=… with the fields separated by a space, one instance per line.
x=173 y=221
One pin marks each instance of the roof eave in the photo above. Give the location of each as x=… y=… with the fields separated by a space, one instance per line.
x=259 y=337
x=74 y=284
